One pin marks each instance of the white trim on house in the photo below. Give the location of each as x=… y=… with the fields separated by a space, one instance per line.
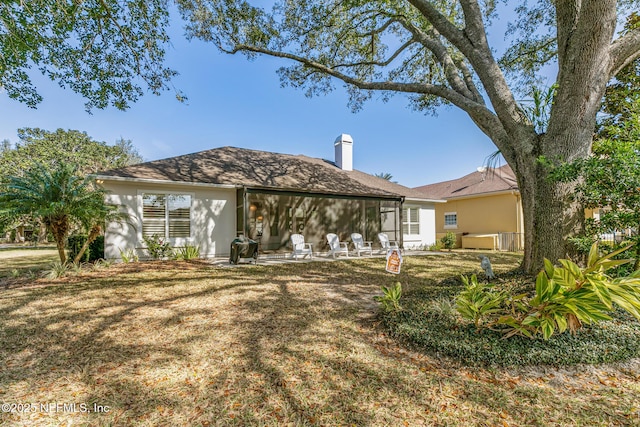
x=160 y=181
x=414 y=199
x=488 y=194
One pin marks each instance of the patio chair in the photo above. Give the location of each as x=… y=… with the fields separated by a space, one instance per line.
x=300 y=247
x=336 y=246
x=386 y=243
x=360 y=245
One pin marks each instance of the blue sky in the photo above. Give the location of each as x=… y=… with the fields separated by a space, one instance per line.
x=240 y=103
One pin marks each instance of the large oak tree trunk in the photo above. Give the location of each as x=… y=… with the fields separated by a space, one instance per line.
x=550 y=218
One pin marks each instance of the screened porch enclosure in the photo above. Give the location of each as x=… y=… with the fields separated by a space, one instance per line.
x=270 y=217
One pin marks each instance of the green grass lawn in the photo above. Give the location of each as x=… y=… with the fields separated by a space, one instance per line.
x=186 y=343
x=23 y=259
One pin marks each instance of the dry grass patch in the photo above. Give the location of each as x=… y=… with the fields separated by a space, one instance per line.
x=296 y=344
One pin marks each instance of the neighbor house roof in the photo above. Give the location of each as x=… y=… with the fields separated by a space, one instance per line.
x=476 y=183
x=263 y=170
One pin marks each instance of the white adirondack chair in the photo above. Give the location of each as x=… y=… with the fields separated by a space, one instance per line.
x=300 y=247
x=386 y=243
x=336 y=246
x=360 y=245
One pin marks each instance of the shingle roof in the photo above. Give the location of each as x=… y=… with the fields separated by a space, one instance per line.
x=261 y=169
x=476 y=183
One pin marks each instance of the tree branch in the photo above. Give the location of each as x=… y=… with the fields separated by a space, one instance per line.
x=434 y=44
x=480 y=57
x=624 y=50
x=474 y=27
x=417 y=88
x=384 y=63
x=444 y=26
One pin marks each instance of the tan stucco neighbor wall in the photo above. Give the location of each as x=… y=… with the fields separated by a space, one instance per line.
x=486 y=214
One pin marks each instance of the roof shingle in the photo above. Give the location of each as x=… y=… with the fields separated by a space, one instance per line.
x=476 y=183
x=261 y=169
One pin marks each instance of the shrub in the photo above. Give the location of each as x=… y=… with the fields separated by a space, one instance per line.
x=58 y=270
x=436 y=247
x=566 y=297
x=74 y=267
x=128 y=255
x=478 y=301
x=94 y=252
x=188 y=252
x=390 y=300
x=449 y=240
x=157 y=247
x=101 y=264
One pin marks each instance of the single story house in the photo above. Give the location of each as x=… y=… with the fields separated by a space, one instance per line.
x=211 y=197
x=483 y=209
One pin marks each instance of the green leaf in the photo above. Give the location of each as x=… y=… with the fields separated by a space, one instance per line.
x=572 y=268
x=549 y=268
x=542 y=285
x=593 y=255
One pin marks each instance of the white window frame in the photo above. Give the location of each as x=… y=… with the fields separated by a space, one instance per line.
x=175 y=241
x=406 y=220
x=450 y=226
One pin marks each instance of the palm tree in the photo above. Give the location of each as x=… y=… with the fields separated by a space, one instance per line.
x=59 y=198
x=385 y=175
x=95 y=216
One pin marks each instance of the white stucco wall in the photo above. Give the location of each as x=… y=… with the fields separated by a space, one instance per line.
x=427 y=219
x=213 y=217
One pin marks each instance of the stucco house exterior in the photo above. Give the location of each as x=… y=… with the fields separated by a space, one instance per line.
x=211 y=197
x=483 y=209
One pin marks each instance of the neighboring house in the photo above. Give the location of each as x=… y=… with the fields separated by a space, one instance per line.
x=483 y=209
x=211 y=197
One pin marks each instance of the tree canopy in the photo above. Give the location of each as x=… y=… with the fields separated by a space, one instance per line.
x=51 y=149
x=105 y=50
x=58 y=198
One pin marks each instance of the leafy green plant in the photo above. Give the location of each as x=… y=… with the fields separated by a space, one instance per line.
x=75 y=267
x=157 y=247
x=442 y=307
x=479 y=301
x=188 y=252
x=390 y=300
x=92 y=252
x=101 y=264
x=128 y=255
x=58 y=269
x=449 y=240
x=436 y=247
x=15 y=273
x=568 y=296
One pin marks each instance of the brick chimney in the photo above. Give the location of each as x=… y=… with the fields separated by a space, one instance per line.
x=344 y=152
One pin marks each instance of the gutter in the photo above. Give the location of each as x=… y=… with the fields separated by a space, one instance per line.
x=103 y=178
x=511 y=191
x=415 y=199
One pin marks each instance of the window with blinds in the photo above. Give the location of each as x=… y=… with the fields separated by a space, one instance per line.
x=410 y=221
x=167 y=215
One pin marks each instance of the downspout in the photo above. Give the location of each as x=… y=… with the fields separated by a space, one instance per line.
x=400 y=233
x=245 y=206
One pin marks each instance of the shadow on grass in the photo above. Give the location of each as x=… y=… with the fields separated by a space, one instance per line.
x=172 y=344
